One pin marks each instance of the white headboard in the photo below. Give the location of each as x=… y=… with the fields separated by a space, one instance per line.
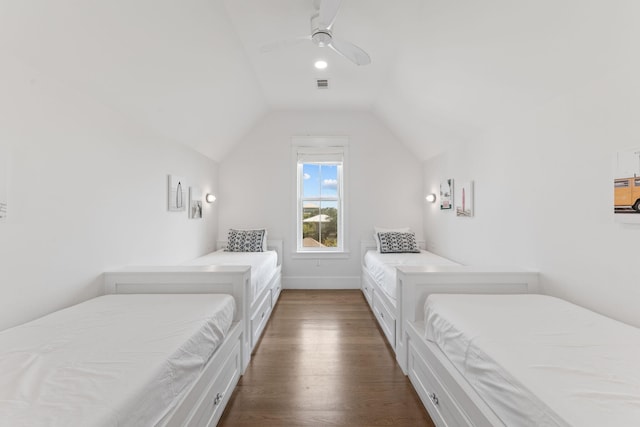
x=272 y=245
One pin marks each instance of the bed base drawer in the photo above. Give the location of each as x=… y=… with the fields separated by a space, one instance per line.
x=259 y=319
x=275 y=293
x=441 y=407
x=387 y=320
x=217 y=396
x=367 y=287
x=367 y=290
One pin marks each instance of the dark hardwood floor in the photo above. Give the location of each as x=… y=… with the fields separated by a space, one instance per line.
x=323 y=361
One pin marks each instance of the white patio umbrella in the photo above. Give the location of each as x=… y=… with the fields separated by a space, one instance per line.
x=318 y=218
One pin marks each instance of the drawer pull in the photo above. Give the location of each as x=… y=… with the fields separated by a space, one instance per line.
x=218 y=399
x=382 y=315
x=433 y=398
x=262 y=316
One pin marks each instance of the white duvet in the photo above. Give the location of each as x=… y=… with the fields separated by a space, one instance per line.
x=382 y=267
x=263 y=265
x=116 y=360
x=540 y=361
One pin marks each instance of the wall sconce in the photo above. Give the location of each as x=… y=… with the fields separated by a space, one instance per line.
x=210 y=198
x=431 y=198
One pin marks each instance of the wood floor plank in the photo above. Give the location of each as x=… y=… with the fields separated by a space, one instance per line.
x=323 y=361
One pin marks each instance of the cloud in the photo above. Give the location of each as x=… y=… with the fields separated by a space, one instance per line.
x=306 y=176
x=330 y=183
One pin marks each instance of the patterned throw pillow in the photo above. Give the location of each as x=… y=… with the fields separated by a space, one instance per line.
x=394 y=242
x=245 y=240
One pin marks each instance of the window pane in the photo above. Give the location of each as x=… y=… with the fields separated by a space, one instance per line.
x=329 y=174
x=310 y=229
x=320 y=224
x=319 y=180
x=311 y=180
x=329 y=224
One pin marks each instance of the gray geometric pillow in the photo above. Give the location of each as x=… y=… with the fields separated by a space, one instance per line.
x=395 y=242
x=245 y=240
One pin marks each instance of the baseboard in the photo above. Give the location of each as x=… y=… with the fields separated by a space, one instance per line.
x=306 y=282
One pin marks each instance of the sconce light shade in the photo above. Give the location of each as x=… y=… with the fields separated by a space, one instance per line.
x=210 y=198
x=431 y=198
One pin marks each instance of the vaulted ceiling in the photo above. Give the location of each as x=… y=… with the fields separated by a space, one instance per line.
x=194 y=71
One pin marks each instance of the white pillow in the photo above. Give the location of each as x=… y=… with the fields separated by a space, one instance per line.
x=377 y=230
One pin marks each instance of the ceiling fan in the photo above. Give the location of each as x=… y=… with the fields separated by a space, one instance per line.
x=324 y=14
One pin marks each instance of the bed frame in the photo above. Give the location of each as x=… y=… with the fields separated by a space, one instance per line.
x=415 y=283
x=449 y=399
x=445 y=393
x=259 y=310
x=216 y=279
x=205 y=401
x=381 y=305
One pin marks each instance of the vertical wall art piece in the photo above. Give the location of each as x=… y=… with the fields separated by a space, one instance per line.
x=195 y=203
x=4 y=181
x=177 y=193
x=446 y=194
x=626 y=186
x=464 y=199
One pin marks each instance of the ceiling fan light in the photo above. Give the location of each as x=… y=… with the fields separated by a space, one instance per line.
x=320 y=64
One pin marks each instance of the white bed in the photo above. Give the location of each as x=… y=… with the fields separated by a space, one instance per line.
x=258 y=273
x=265 y=282
x=529 y=360
x=417 y=275
x=124 y=360
x=381 y=268
x=383 y=283
x=264 y=266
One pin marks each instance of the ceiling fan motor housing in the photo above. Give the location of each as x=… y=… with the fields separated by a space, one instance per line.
x=321 y=38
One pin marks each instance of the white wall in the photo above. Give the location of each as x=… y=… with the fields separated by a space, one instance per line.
x=87 y=192
x=544 y=194
x=257 y=181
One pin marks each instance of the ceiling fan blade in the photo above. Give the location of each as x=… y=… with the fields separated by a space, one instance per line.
x=283 y=44
x=327 y=13
x=350 y=51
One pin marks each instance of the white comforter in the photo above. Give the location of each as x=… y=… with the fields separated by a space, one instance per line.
x=117 y=360
x=382 y=267
x=263 y=265
x=540 y=361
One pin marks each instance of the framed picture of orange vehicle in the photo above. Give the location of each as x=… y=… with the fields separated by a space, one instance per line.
x=626 y=186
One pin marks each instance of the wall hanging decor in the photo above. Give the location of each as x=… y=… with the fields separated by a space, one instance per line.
x=626 y=186
x=464 y=199
x=446 y=194
x=177 y=193
x=195 y=202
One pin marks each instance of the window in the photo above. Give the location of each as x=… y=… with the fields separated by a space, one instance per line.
x=320 y=198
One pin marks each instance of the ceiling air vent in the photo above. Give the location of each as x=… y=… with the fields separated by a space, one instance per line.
x=322 y=84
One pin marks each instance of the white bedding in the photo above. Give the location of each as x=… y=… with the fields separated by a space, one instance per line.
x=263 y=265
x=382 y=267
x=116 y=360
x=540 y=361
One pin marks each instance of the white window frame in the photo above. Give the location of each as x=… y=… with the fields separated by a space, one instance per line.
x=319 y=146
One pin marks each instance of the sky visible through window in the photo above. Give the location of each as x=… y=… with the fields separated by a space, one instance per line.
x=320 y=180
